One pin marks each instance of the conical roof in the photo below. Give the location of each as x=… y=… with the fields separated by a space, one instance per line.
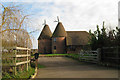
x=46 y=33
x=59 y=31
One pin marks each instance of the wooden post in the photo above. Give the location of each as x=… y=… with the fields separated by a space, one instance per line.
x=15 y=52
x=99 y=54
x=36 y=63
x=27 y=59
x=117 y=54
x=29 y=56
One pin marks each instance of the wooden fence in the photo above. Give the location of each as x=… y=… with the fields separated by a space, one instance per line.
x=15 y=58
x=110 y=55
x=90 y=56
x=105 y=55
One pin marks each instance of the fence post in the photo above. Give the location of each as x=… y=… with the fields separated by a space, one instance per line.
x=15 y=52
x=99 y=54
x=29 y=52
x=27 y=59
x=117 y=54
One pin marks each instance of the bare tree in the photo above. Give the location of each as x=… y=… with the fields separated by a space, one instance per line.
x=12 y=27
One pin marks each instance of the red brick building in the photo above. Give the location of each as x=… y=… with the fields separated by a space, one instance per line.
x=61 y=41
x=44 y=40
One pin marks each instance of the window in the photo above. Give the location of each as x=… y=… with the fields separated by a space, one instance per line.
x=54 y=39
x=55 y=47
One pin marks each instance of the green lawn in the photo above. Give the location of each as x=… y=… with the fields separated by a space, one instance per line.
x=75 y=56
x=72 y=55
x=55 y=54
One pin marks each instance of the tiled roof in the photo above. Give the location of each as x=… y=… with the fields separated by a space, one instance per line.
x=77 y=38
x=46 y=33
x=59 y=31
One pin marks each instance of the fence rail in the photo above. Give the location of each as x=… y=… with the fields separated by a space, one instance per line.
x=105 y=55
x=15 y=56
x=111 y=54
x=90 y=56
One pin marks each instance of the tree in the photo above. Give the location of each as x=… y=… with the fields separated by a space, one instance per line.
x=92 y=40
x=12 y=27
x=100 y=38
x=118 y=36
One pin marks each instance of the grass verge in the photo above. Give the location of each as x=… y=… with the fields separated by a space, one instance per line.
x=54 y=54
x=40 y=66
x=75 y=56
x=23 y=74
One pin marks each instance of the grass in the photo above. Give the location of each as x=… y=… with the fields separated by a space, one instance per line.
x=22 y=74
x=75 y=56
x=55 y=54
x=40 y=66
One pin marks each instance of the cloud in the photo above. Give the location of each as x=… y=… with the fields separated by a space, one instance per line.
x=78 y=15
x=75 y=15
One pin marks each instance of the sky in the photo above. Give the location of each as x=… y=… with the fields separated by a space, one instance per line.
x=76 y=15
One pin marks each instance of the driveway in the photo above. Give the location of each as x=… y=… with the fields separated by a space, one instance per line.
x=63 y=67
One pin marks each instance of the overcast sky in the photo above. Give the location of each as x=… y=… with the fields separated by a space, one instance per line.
x=76 y=15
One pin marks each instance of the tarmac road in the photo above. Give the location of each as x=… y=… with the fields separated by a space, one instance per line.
x=63 y=67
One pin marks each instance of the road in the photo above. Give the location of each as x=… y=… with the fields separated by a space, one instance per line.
x=63 y=67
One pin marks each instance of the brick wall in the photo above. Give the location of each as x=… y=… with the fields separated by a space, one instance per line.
x=60 y=45
x=44 y=46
